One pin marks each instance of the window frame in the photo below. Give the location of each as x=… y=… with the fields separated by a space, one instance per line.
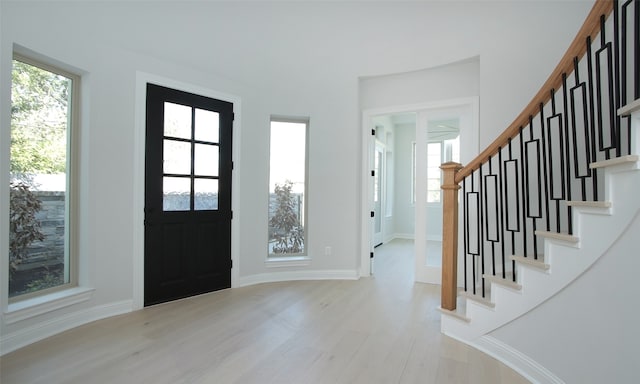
x=301 y=256
x=71 y=258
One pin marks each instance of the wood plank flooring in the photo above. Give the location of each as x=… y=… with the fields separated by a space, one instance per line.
x=383 y=329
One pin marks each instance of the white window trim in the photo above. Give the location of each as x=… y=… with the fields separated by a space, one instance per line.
x=287 y=261
x=293 y=259
x=47 y=300
x=35 y=306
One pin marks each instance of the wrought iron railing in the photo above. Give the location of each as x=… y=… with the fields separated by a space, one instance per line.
x=522 y=182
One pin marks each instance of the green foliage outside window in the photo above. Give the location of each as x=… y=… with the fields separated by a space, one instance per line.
x=40 y=114
x=285 y=223
x=24 y=229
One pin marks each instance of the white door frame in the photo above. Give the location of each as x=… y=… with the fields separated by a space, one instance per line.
x=142 y=78
x=469 y=145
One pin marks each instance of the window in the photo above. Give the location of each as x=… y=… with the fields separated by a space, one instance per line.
x=287 y=187
x=434 y=160
x=43 y=100
x=438 y=152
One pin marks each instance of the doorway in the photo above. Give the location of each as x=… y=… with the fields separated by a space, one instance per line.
x=438 y=138
x=443 y=125
x=187 y=212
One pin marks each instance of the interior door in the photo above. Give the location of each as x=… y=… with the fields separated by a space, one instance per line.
x=438 y=136
x=188 y=167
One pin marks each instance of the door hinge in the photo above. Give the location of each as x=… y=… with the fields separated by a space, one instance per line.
x=371 y=255
x=233 y=165
x=233 y=117
x=231 y=262
x=231 y=215
x=373 y=214
x=373 y=132
x=373 y=173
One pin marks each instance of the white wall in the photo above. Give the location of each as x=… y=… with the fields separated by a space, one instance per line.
x=448 y=82
x=588 y=333
x=451 y=81
x=300 y=59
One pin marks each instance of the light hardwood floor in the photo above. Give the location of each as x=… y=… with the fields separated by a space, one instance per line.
x=383 y=329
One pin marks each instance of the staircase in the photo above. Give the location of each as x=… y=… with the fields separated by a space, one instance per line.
x=597 y=226
x=553 y=193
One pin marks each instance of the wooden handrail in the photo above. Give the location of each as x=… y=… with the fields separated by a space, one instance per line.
x=578 y=48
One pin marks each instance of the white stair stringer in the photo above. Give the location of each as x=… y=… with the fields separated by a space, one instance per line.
x=595 y=233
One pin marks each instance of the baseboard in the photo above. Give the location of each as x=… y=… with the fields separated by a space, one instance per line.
x=514 y=359
x=15 y=340
x=297 y=275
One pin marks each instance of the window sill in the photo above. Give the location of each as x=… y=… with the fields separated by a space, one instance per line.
x=36 y=306
x=287 y=261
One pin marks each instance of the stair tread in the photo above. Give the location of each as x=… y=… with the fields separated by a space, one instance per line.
x=629 y=108
x=615 y=161
x=455 y=314
x=592 y=204
x=558 y=236
x=531 y=261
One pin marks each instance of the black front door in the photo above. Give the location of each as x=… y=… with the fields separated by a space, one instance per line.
x=187 y=195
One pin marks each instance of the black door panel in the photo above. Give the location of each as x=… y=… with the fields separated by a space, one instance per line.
x=187 y=194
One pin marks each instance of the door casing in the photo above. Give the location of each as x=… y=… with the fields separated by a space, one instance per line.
x=469 y=146
x=142 y=79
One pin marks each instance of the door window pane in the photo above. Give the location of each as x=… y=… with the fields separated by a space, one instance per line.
x=177 y=120
x=206 y=194
x=206 y=160
x=177 y=157
x=194 y=156
x=207 y=126
x=176 y=193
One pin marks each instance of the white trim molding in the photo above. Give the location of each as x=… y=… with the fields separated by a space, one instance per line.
x=142 y=79
x=298 y=275
x=470 y=106
x=515 y=359
x=39 y=305
x=15 y=340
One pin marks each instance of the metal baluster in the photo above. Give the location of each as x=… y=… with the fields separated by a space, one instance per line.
x=481 y=228
x=544 y=168
x=466 y=226
x=594 y=152
x=502 y=213
x=524 y=197
x=567 y=152
x=616 y=49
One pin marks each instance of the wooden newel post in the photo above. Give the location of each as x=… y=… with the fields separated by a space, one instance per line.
x=449 y=235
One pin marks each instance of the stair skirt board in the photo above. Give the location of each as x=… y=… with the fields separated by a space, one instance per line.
x=514 y=359
x=565 y=258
